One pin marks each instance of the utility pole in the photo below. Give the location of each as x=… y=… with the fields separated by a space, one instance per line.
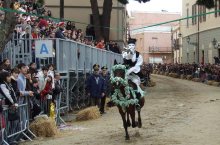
x=198 y=37
x=61 y=10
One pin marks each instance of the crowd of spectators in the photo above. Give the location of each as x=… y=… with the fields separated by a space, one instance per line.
x=25 y=84
x=43 y=25
x=205 y=72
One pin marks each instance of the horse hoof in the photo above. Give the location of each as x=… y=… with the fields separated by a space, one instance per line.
x=128 y=124
x=127 y=138
x=139 y=125
x=135 y=124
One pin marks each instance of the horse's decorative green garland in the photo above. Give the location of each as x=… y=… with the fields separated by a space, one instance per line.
x=117 y=97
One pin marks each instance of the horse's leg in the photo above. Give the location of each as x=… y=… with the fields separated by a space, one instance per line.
x=128 y=120
x=123 y=116
x=132 y=114
x=142 y=101
x=139 y=119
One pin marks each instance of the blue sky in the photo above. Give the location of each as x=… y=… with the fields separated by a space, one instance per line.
x=156 y=6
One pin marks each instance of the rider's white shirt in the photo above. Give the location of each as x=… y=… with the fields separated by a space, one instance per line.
x=137 y=66
x=134 y=78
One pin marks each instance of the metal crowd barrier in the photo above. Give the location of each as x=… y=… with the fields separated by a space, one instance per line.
x=73 y=60
x=18 y=127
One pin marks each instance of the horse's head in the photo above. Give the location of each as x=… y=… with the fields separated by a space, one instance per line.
x=118 y=76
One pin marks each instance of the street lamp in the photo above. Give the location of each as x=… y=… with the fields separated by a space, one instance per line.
x=215 y=43
x=189 y=41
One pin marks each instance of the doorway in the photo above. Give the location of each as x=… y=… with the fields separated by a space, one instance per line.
x=218 y=53
x=203 y=55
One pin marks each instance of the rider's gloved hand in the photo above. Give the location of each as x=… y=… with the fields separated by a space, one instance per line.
x=130 y=71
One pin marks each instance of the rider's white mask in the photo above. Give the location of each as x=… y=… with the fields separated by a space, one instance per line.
x=131 y=46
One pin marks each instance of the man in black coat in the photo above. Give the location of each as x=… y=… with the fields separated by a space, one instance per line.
x=106 y=78
x=59 y=32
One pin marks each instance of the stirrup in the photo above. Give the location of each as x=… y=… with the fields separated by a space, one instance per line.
x=138 y=95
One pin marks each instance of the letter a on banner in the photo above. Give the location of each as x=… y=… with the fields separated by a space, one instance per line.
x=44 y=49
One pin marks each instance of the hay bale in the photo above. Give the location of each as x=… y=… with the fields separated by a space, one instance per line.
x=44 y=126
x=163 y=73
x=166 y=74
x=175 y=75
x=209 y=82
x=88 y=114
x=182 y=76
x=196 y=80
x=158 y=72
x=216 y=84
x=189 y=77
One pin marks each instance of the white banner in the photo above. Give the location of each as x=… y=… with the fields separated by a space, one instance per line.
x=43 y=48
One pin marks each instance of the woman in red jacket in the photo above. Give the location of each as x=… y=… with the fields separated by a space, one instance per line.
x=46 y=95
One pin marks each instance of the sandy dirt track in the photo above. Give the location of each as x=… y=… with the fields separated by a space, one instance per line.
x=177 y=112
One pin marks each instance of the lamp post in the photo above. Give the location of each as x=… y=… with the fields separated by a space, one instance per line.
x=154 y=46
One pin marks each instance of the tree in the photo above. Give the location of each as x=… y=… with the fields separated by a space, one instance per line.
x=61 y=9
x=7 y=25
x=41 y=2
x=102 y=25
x=207 y=3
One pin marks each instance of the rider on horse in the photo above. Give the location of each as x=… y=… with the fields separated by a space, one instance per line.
x=134 y=61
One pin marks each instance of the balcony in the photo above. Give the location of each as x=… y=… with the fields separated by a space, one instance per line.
x=159 y=50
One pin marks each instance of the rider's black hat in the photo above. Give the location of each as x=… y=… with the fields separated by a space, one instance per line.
x=132 y=40
x=104 y=68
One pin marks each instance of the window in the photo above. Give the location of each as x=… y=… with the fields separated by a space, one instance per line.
x=200 y=12
x=187 y=21
x=187 y=57
x=218 y=53
x=219 y=7
x=194 y=56
x=216 y=8
x=194 y=12
x=204 y=11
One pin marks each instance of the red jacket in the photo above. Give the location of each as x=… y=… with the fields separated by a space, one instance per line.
x=42 y=23
x=47 y=89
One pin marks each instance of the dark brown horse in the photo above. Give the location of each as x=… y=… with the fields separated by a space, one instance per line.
x=120 y=92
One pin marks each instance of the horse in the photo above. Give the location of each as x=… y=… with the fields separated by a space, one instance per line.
x=124 y=97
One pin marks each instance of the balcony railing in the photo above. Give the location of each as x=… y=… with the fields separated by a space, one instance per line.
x=160 y=49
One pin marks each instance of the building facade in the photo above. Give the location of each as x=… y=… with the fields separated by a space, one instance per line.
x=153 y=42
x=80 y=12
x=176 y=44
x=200 y=34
